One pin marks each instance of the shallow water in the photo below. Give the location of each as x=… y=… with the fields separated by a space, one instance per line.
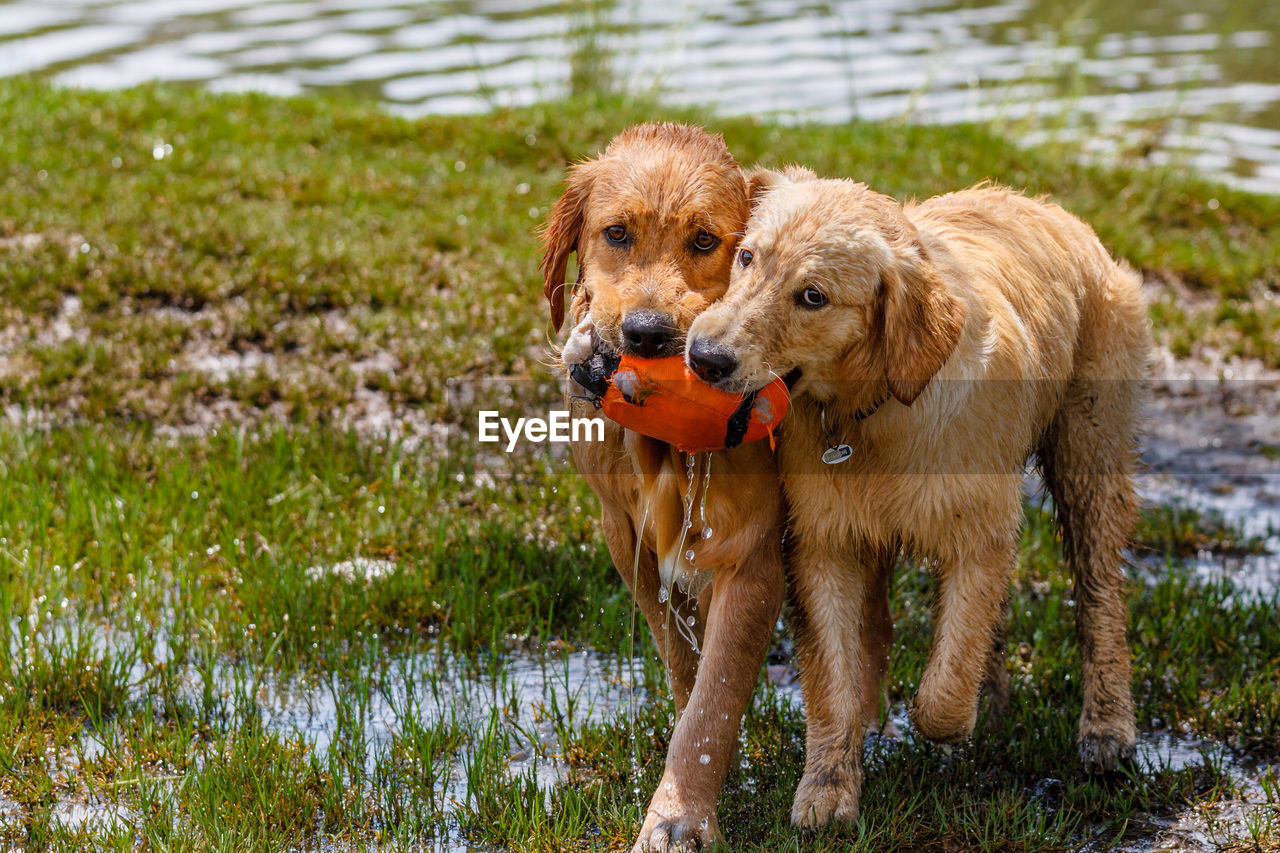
x=1193 y=83
x=534 y=691
x=1214 y=445
x=1205 y=826
x=533 y=696
x=599 y=690
x=530 y=695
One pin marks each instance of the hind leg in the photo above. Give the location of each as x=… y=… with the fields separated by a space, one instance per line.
x=1089 y=457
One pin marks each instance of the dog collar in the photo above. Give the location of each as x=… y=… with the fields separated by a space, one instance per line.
x=837 y=451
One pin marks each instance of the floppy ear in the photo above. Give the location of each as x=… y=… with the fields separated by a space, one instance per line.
x=760 y=180
x=922 y=324
x=560 y=237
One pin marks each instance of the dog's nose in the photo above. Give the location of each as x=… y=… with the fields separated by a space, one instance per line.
x=647 y=333
x=711 y=362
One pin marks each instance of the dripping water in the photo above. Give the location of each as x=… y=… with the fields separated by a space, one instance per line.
x=631 y=646
x=685 y=624
x=702 y=505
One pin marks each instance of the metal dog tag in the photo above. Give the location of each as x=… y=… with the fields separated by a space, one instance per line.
x=836 y=454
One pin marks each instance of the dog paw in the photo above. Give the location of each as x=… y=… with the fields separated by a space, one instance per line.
x=1108 y=738
x=824 y=797
x=1106 y=752
x=679 y=834
x=942 y=722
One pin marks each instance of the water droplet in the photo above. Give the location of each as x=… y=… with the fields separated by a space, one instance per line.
x=706 y=487
x=663 y=595
x=706 y=532
x=704 y=758
x=688 y=555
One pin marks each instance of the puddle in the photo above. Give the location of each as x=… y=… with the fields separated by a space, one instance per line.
x=530 y=698
x=1196 y=87
x=1213 y=445
x=582 y=687
x=1207 y=825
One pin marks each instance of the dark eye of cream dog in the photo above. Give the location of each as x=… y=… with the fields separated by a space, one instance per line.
x=811 y=297
x=745 y=256
x=616 y=234
x=705 y=241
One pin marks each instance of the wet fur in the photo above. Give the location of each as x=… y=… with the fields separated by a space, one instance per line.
x=994 y=327
x=665 y=182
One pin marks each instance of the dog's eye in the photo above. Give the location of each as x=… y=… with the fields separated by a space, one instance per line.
x=811 y=297
x=616 y=234
x=745 y=257
x=705 y=241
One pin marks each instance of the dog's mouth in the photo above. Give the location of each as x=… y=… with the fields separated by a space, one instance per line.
x=674 y=346
x=790 y=378
x=746 y=386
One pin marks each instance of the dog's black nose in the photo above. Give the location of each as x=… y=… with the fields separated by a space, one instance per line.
x=647 y=333
x=711 y=362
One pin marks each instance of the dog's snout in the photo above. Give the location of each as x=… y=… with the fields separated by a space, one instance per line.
x=647 y=333
x=711 y=361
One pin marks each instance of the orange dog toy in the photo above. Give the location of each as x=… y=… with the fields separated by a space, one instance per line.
x=663 y=399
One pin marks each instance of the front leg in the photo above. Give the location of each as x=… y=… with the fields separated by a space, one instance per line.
x=972 y=590
x=744 y=605
x=995 y=684
x=833 y=590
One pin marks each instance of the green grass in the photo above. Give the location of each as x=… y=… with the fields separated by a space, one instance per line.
x=161 y=519
x=342 y=250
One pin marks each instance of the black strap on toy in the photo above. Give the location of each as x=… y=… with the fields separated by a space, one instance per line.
x=594 y=374
x=739 y=421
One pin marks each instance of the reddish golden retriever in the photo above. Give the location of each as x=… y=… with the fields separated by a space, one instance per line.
x=655 y=222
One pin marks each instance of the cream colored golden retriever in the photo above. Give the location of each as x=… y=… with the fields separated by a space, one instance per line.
x=655 y=222
x=939 y=346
